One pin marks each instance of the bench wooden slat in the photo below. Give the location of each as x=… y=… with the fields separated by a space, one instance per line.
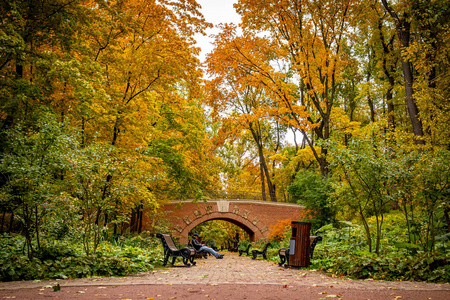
x=171 y=250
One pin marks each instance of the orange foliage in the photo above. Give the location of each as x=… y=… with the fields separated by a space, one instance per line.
x=283 y=227
x=279 y=230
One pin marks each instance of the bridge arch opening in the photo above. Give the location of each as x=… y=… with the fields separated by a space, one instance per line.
x=249 y=233
x=253 y=232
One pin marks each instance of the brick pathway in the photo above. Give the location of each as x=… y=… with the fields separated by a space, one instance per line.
x=233 y=269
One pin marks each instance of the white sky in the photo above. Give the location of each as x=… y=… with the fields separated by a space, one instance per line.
x=215 y=12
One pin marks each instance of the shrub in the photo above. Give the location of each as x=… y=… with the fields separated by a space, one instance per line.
x=62 y=259
x=423 y=267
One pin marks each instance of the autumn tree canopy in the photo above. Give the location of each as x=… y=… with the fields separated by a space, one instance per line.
x=105 y=111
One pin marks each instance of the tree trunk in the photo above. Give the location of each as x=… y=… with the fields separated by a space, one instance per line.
x=411 y=104
x=370 y=102
x=270 y=185
x=388 y=72
x=264 y=170
x=403 y=27
x=263 y=185
x=83 y=132
x=141 y=213
x=3 y=220
x=11 y=221
x=133 y=220
x=447 y=216
x=390 y=105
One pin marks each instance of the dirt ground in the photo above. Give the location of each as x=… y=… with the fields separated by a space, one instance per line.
x=233 y=277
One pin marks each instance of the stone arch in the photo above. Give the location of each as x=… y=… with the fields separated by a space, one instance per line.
x=253 y=231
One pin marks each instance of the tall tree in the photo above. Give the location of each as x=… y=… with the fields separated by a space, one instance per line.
x=308 y=35
x=240 y=105
x=402 y=20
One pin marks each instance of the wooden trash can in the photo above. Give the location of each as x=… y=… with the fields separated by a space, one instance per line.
x=299 y=249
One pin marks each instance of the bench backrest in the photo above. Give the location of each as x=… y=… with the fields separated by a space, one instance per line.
x=265 y=247
x=168 y=241
x=313 y=238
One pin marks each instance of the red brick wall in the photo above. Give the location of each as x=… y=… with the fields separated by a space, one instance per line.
x=255 y=217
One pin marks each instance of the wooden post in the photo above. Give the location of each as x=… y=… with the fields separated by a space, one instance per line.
x=299 y=250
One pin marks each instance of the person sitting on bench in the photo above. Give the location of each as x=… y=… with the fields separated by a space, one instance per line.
x=202 y=247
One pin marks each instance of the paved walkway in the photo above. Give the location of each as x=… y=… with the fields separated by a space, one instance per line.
x=233 y=270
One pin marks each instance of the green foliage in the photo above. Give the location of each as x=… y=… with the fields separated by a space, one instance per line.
x=312 y=190
x=372 y=176
x=244 y=244
x=365 y=173
x=65 y=259
x=342 y=252
x=423 y=193
x=32 y=168
x=423 y=267
x=218 y=233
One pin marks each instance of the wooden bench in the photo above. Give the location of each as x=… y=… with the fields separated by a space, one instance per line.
x=170 y=250
x=198 y=253
x=255 y=253
x=245 y=251
x=284 y=252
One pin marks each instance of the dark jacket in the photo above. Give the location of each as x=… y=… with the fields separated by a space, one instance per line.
x=196 y=244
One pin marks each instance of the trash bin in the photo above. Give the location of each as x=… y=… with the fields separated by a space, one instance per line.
x=299 y=245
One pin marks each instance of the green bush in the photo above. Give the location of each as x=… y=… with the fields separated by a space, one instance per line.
x=423 y=267
x=344 y=252
x=62 y=259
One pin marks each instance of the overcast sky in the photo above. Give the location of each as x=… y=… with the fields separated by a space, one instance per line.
x=215 y=12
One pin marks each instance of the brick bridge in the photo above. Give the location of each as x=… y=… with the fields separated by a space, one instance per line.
x=254 y=216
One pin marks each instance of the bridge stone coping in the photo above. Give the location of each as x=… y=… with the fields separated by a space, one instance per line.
x=253 y=216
